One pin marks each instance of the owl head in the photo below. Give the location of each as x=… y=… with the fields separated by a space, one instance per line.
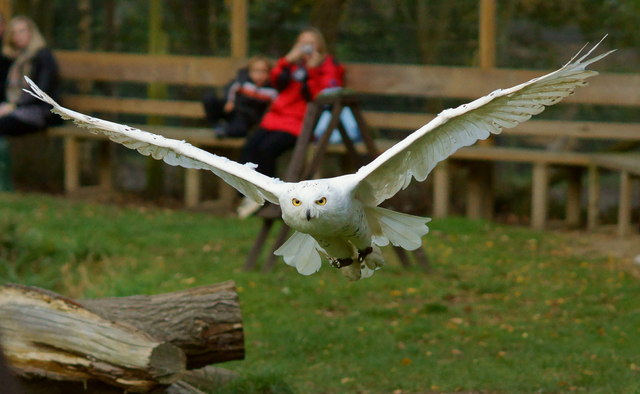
x=306 y=202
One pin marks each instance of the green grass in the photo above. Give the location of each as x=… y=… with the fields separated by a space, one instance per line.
x=505 y=309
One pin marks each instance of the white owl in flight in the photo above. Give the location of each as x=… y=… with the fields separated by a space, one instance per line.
x=339 y=218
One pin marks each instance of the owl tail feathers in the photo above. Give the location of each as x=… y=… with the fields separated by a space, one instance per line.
x=400 y=229
x=301 y=251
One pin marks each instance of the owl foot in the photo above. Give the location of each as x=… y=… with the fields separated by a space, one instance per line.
x=340 y=263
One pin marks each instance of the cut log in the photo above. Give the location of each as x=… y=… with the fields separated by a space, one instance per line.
x=47 y=335
x=204 y=321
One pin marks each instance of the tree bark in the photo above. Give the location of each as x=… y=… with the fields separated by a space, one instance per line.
x=136 y=343
x=47 y=335
x=204 y=321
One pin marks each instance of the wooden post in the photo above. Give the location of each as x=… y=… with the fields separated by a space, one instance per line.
x=6 y=9
x=475 y=190
x=487 y=33
x=574 y=188
x=71 y=164
x=441 y=193
x=105 y=166
x=239 y=29
x=539 y=192
x=487 y=60
x=191 y=187
x=624 y=209
x=593 y=196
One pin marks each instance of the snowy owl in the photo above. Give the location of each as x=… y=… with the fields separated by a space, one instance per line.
x=339 y=218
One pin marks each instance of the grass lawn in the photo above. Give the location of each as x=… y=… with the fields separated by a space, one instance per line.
x=506 y=309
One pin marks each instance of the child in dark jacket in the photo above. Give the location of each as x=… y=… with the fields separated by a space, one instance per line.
x=247 y=98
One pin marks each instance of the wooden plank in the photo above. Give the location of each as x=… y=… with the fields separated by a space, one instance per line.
x=497 y=153
x=593 y=198
x=624 y=205
x=137 y=106
x=629 y=162
x=540 y=128
x=578 y=129
x=471 y=83
x=170 y=69
x=197 y=136
x=539 y=195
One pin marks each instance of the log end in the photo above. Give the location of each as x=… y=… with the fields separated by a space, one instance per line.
x=168 y=362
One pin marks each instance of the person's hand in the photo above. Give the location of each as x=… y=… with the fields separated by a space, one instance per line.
x=228 y=106
x=314 y=59
x=6 y=109
x=295 y=53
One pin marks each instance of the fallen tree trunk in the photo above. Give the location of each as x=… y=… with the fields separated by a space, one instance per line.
x=135 y=342
x=47 y=335
x=203 y=321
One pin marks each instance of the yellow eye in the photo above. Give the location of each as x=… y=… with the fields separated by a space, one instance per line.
x=296 y=202
x=321 y=201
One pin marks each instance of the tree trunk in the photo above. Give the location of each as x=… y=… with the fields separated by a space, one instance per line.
x=136 y=342
x=204 y=321
x=47 y=335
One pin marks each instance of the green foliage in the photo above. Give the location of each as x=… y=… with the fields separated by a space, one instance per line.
x=530 y=33
x=505 y=309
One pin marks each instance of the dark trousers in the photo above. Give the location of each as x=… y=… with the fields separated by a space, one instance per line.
x=12 y=126
x=264 y=147
x=236 y=125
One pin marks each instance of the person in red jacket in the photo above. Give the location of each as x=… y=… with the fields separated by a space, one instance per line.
x=298 y=76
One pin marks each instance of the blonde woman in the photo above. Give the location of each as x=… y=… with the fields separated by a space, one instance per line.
x=24 y=45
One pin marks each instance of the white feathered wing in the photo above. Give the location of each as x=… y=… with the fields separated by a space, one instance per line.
x=244 y=178
x=416 y=155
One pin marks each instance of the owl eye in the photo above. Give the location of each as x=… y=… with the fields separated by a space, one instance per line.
x=296 y=202
x=321 y=201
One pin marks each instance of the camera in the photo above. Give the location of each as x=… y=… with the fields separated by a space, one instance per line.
x=307 y=49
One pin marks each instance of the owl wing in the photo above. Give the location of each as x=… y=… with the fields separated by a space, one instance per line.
x=242 y=177
x=416 y=155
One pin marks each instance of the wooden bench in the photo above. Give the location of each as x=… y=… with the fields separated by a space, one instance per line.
x=181 y=71
x=386 y=80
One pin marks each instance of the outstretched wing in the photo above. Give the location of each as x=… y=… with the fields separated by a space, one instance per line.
x=416 y=155
x=244 y=178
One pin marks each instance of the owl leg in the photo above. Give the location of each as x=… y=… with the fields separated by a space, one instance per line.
x=363 y=253
x=342 y=255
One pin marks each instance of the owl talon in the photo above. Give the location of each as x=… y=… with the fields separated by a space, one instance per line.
x=340 y=263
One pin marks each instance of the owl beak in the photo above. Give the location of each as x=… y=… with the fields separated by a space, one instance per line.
x=308 y=215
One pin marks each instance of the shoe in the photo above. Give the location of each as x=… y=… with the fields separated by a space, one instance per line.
x=247 y=208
